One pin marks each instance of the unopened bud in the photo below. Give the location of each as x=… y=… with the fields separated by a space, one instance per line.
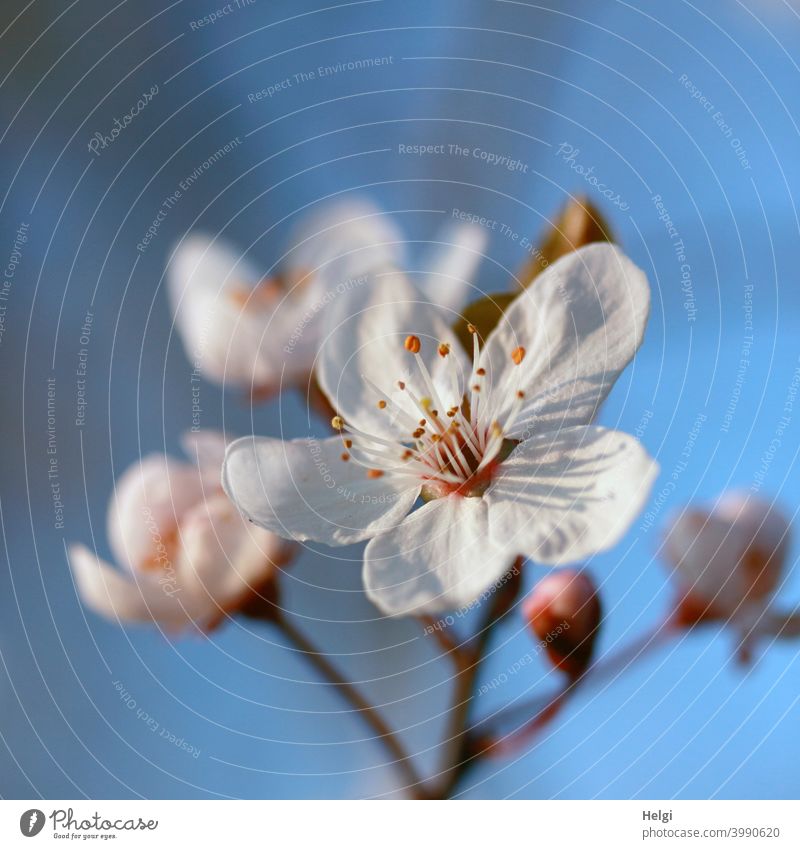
x=579 y=223
x=564 y=613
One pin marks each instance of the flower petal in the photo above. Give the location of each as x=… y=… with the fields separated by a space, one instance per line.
x=730 y=557
x=439 y=558
x=365 y=344
x=206 y=448
x=450 y=264
x=150 y=499
x=234 y=326
x=303 y=490
x=116 y=596
x=579 y=324
x=564 y=496
x=347 y=238
x=223 y=556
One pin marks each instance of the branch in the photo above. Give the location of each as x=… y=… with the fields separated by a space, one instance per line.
x=460 y=755
x=368 y=712
x=780 y=624
x=533 y=715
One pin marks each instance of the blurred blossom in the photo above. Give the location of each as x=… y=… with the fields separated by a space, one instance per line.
x=728 y=560
x=260 y=334
x=186 y=554
x=564 y=613
x=498 y=443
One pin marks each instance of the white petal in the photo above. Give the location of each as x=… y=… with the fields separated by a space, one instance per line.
x=730 y=557
x=450 y=265
x=766 y=526
x=303 y=490
x=367 y=332
x=206 y=448
x=347 y=238
x=580 y=323
x=440 y=558
x=233 y=329
x=116 y=596
x=150 y=499
x=223 y=556
x=561 y=497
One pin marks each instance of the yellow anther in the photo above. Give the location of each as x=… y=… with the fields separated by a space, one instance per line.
x=337 y=422
x=518 y=355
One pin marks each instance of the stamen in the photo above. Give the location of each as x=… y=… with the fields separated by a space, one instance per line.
x=384 y=397
x=413 y=344
x=476 y=353
x=451 y=446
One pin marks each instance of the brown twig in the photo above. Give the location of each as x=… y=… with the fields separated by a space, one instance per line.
x=461 y=654
x=782 y=624
x=487 y=739
x=373 y=718
x=459 y=754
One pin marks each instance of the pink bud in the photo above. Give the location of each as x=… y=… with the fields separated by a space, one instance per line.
x=564 y=613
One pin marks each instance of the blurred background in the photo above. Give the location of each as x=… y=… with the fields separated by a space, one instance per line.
x=694 y=106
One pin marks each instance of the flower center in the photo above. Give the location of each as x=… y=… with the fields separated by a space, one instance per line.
x=452 y=450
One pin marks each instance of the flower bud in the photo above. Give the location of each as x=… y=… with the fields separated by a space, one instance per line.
x=727 y=560
x=579 y=223
x=564 y=613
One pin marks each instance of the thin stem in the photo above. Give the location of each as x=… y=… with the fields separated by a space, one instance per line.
x=367 y=711
x=460 y=756
x=488 y=739
x=783 y=624
x=449 y=646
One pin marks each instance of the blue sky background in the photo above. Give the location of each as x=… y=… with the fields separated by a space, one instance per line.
x=518 y=79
